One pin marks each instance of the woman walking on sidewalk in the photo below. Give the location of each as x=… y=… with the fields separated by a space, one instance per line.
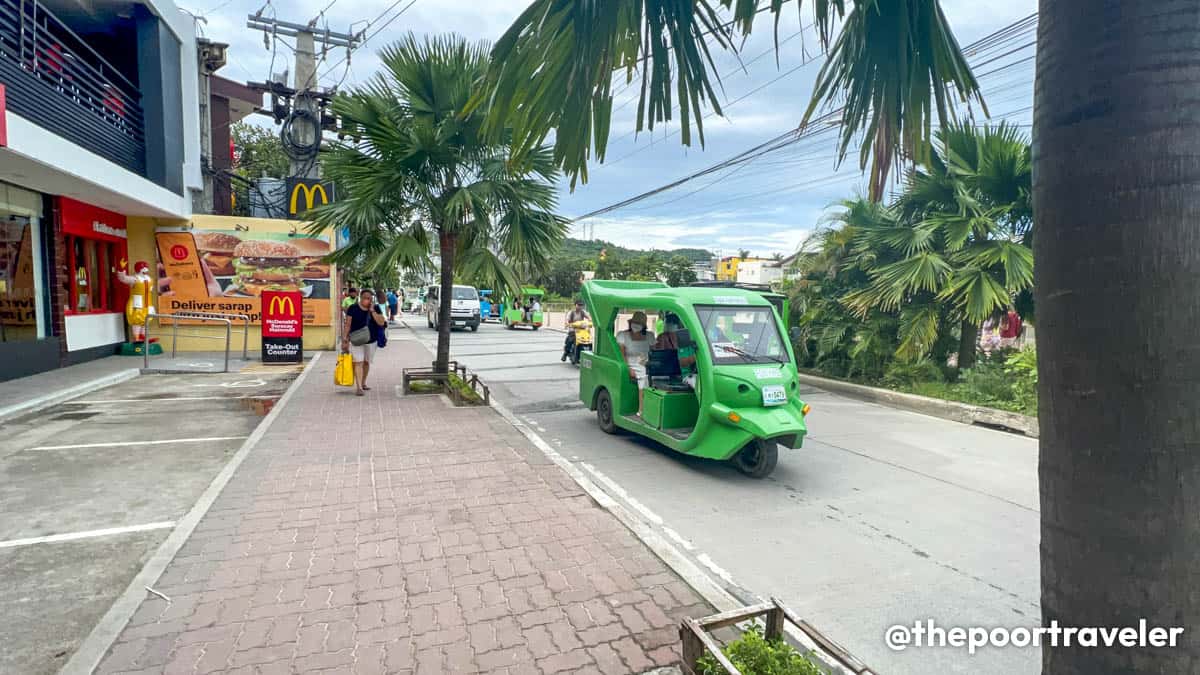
x=364 y=314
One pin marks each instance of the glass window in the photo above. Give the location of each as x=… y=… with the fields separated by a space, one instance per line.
x=465 y=293
x=92 y=283
x=19 y=296
x=742 y=335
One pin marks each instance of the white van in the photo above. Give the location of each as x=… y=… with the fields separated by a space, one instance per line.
x=464 y=307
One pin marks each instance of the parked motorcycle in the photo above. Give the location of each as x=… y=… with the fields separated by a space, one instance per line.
x=578 y=340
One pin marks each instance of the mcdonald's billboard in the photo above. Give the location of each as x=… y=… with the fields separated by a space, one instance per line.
x=282 y=327
x=305 y=193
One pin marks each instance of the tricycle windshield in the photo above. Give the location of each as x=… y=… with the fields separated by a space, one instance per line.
x=742 y=335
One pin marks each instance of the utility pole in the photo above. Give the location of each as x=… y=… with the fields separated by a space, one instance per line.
x=300 y=108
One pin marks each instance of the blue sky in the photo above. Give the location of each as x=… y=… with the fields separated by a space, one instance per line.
x=768 y=206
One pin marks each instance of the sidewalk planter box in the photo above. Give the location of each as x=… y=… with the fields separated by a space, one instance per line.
x=471 y=382
x=697 y=639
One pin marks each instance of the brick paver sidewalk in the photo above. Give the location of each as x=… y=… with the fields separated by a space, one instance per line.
x=390 y=534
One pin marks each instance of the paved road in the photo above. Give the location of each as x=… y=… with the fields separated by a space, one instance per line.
x=883 y=517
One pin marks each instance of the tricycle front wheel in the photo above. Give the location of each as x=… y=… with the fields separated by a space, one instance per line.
x=604 y=412
x=758 y=458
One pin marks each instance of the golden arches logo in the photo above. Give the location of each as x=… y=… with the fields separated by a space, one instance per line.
x=281 y=304
x=310 y=194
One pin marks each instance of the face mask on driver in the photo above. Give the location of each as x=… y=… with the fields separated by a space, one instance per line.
x=636 y=327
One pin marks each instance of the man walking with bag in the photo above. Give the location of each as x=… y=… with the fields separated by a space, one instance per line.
x=360 y=337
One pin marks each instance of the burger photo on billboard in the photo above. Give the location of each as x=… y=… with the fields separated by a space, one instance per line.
x=265 y=266
x=312 y=254
x=216 y=250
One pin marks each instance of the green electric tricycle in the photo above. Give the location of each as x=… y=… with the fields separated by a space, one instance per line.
x=722 y=386
x=515 y=314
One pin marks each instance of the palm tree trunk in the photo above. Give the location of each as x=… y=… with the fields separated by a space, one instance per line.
x=968 y=345
x=447 y=243
x=1117 y=248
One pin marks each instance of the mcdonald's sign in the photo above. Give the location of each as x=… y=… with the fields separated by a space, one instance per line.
x=305 y=193
x=282 y=327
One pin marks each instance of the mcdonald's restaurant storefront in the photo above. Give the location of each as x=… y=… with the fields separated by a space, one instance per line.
x=222 y=264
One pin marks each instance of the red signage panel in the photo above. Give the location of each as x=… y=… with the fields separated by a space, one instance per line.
x=92 y=222
x=282 y=327
x=281 y=314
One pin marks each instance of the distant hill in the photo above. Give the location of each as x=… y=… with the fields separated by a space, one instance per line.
x=578 y=248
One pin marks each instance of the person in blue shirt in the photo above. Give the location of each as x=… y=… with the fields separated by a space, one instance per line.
x=393 y=303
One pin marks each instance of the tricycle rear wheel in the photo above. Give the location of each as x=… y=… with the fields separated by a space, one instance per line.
x=604 y=412
x=758 y=458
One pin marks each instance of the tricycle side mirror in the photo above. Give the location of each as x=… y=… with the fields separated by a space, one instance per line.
x=794 y=333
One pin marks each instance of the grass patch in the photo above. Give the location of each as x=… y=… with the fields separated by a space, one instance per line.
x=425 y=387
x=461 y=392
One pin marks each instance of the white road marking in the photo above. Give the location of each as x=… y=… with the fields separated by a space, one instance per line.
x=716 y=569
x=170 y=400
x=71 y=536
x=678 y=538
x=81 y=446
x=620 y=492
x=244 y=383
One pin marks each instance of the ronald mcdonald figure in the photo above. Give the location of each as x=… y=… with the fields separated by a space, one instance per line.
x=138 y=307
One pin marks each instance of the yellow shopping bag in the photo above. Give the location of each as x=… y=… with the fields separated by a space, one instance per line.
x=343 y=375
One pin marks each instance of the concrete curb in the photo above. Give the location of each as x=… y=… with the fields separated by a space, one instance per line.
x=93 y=648
x=47 y=400
x=950 y=410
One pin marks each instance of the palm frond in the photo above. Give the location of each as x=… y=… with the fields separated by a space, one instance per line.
x=893 y=67
x=918 y=331
x=976 y=293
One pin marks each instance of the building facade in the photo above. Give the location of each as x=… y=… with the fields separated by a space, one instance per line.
x=727 y=267
x=761 y=272
x=99 y=140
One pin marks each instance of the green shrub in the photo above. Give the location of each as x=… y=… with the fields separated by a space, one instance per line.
x=755 y=655
x=907 y=373
x=987 y=383
x=1022 y=367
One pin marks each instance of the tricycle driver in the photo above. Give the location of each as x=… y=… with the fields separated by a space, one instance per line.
x=577 y=314
x=687 y=352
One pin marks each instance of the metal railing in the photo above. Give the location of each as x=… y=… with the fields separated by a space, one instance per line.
x=245 y=319
x=59 y=82
x=175 y=319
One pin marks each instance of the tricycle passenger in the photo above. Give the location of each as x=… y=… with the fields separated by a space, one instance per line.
x=635 y=347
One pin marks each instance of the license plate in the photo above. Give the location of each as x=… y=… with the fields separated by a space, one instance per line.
x=774 y=394
x=459 y=323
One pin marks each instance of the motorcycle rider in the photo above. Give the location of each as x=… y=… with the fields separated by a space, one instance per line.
x=577 y=314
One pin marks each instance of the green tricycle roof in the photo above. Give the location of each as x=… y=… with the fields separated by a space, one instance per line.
x=629 y=294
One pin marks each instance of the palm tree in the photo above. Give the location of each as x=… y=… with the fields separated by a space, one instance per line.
x=1117 y=248
x=1115 y=201
x=961 y=231
x=418 y=171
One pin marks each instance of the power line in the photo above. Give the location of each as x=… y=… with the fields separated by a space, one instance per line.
x=366 y=39
x=791 y=137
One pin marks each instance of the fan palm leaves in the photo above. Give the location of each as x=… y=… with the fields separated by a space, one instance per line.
x=418 y=173
x=892 y=65
x=962 y=227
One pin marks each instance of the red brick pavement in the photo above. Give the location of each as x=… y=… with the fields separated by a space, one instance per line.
x=390 y=534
